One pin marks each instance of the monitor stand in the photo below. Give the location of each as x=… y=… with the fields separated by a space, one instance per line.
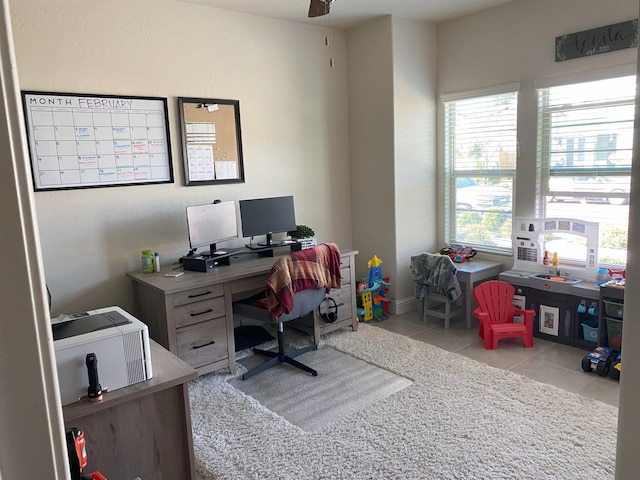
x=263 y=248
x=269 y=242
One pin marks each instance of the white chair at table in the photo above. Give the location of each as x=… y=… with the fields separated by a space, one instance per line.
x=437 y=286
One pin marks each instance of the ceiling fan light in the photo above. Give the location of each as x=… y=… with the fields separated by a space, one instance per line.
x=318 y=8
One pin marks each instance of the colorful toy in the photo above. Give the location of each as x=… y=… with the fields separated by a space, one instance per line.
x=372 y=292
x=616 y=367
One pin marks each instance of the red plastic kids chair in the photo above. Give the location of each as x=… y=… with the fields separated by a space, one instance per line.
x=495 y=312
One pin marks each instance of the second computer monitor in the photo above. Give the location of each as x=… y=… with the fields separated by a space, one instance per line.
x=266 y=216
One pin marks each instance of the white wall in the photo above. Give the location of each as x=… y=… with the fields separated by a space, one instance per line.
x=293 y=108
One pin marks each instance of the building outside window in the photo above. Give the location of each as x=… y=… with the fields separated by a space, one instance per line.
x=585 y=141
x=480 y=167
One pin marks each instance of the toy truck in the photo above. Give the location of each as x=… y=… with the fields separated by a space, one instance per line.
x=599 y=361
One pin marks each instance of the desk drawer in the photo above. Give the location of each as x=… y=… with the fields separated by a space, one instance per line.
x=345 y=274
x=199 y=312
x=197 y=294
x=203 y=343
x=343 y=298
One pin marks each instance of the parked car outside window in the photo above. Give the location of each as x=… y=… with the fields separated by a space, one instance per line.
x=593 y=189
x=470 y=195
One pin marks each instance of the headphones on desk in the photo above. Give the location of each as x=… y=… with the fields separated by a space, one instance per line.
x=331 y=315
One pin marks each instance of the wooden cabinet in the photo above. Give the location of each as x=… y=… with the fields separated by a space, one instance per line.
x=189 y=318
x=192 y=315
x=611 y=316
x=560 y=314
x=143 y=430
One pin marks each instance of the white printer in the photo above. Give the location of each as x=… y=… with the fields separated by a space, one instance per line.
x=119 y=341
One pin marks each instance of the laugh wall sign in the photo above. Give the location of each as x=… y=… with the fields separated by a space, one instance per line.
x=597 y=40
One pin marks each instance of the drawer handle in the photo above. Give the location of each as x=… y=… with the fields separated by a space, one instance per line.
x=195 y=347
x=199 y=294
x=201 y=313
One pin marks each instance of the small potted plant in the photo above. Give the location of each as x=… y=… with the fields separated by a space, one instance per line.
x=304 y=235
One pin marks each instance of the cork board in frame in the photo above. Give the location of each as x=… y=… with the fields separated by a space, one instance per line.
x=211 y=141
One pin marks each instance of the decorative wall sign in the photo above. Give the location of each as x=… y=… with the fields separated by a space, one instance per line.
x=597 y=40
x=81 y=140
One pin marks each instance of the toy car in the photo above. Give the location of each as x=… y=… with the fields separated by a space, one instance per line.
x=599 y=360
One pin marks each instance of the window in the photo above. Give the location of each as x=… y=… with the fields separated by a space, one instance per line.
x=585 y=141
x=480 y=167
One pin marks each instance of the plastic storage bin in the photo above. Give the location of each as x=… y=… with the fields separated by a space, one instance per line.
x=590 y=330
x=614 y=333
x=613 y=309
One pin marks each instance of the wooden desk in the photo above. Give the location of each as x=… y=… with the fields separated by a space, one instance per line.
x=192 y=315
x=472 y=272
x=143 y=430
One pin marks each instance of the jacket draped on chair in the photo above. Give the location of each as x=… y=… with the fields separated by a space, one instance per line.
x=435 y=274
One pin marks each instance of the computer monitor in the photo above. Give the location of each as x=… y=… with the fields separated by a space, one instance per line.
x=211 y=223
x=265 y=216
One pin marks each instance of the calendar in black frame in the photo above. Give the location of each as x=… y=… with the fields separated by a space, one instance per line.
x=88 y=140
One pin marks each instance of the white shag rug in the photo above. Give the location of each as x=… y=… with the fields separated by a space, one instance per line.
x=459 y=420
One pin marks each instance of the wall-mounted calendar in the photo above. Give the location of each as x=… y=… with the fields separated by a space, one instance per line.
x=80 y=141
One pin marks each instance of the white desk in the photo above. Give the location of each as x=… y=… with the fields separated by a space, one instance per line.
x=472 y=272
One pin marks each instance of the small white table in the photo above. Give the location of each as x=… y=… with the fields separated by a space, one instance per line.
x=472 y=272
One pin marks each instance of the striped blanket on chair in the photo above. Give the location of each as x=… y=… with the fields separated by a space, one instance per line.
x=316 y=267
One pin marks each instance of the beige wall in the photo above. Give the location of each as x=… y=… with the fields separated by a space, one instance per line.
x=415 y=207
x=31 y=432
x=371 y=122
x=294 y=115
x=392 y=127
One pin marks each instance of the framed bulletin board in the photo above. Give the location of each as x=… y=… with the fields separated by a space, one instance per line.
x=211 y=141
x=84 y=140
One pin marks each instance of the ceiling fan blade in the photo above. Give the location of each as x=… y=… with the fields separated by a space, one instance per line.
x=317 y=8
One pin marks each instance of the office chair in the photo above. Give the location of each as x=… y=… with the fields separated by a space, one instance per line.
x=297 y=284
x=436 y=284
x=305 y=302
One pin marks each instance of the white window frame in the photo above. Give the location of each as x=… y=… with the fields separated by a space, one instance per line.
x=451 y=174
x=546 y=172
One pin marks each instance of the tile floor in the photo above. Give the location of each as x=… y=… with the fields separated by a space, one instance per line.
x=546 y=362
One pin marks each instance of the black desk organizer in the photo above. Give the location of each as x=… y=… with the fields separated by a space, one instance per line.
x=206 y=262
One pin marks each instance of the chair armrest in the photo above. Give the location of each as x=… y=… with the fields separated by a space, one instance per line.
x=527 y=314
x=479 y=314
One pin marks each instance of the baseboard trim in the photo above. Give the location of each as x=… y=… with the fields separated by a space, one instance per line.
x=405 y=305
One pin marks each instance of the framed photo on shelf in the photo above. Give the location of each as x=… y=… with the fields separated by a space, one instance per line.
x=549 y=320
x=211 y=141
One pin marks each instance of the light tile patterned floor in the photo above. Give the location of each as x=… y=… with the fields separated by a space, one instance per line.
x=546 y=362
